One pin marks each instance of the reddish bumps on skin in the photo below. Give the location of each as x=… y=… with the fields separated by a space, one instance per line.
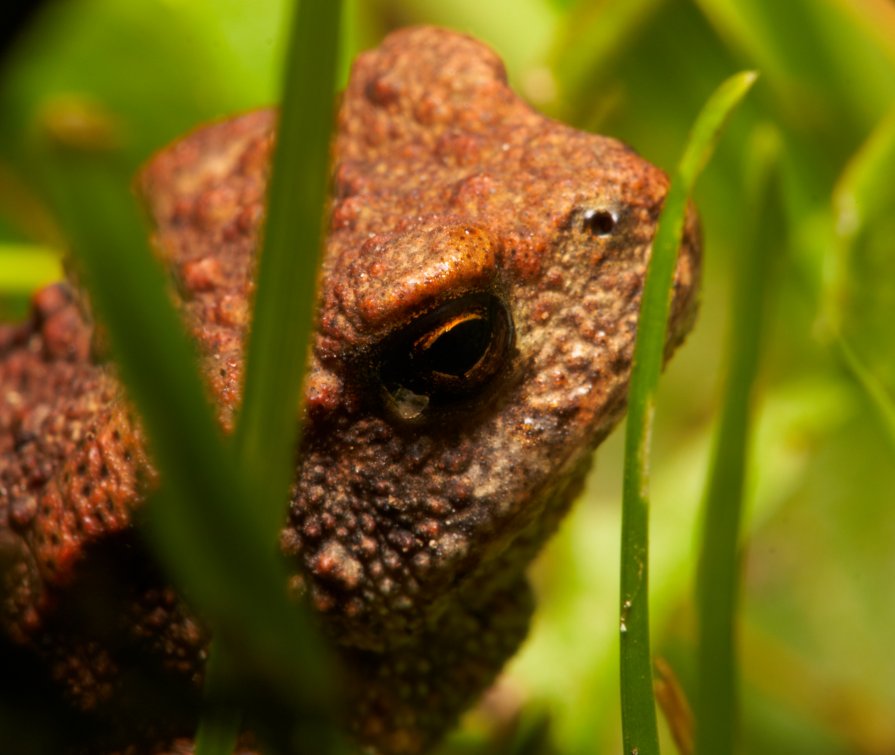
x=475 y=324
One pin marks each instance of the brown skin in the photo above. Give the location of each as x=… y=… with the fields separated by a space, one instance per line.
x=478 y=304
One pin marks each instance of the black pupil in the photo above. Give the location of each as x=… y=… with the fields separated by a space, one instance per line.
x=446 y=355
x=459 y=349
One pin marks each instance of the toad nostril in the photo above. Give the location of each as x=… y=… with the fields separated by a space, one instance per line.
x=599 y=222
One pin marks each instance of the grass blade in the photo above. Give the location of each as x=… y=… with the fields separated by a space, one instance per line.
x=293 y=239
x=218 y=730
x=199 y=518
x=862 y=201
x=282 y=319
x=639 y=731
x=873 y=388
x=204 y=512
x=718 y=571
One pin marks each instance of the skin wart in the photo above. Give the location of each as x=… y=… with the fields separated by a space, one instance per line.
x=477 y=310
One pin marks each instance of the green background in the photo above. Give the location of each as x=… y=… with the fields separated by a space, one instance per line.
x=817 y=671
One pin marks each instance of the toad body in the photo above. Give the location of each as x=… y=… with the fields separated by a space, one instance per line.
x=477 y=310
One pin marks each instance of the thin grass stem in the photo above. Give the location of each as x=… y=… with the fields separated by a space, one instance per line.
x=639 y=729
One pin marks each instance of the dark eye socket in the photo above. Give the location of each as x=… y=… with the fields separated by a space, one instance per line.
x=446 y=355
x=599 y=222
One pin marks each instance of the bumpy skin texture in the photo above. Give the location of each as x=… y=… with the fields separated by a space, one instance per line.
x=413 y=514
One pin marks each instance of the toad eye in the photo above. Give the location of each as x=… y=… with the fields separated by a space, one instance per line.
x=448 y=354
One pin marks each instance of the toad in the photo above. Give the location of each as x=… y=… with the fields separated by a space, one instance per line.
x=476 y=315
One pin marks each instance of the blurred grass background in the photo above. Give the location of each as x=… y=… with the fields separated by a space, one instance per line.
x=817 y=673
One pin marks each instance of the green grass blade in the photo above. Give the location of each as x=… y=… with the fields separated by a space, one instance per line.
x=715 y=703
x=873 y=388
x=863 y=192
x=708 y=127
x=266 y=431
x=293 y=237
x=639 y=731
x=202 y=515
x=862 y=201
x=218 y=730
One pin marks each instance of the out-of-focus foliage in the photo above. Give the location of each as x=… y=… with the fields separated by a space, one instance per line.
x=816 y=620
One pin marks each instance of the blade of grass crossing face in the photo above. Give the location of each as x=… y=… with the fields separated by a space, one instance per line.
x=639 y=730
x=203 y=514
x=718 y=572
x=267 y=430
x=287 y=275
x=153 y=354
